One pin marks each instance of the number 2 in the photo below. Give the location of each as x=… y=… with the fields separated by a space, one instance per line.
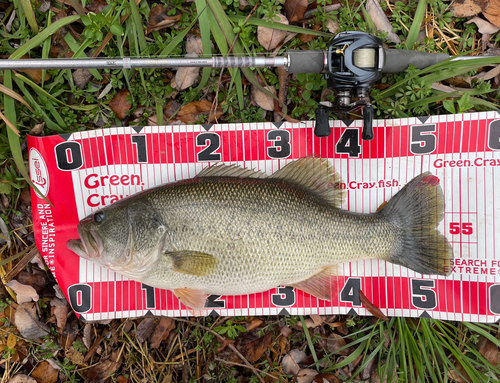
x=208 y=154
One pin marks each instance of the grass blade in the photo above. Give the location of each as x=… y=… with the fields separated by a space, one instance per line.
x=309 y=341
x=15 y=145
x=40 y=38
x=416 y=24
x=30 y=15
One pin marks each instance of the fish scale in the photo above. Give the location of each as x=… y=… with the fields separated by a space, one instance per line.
x=234 y=231
x=279 y=231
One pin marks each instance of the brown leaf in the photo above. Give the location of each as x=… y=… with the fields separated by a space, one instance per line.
x=60 y=312
x=191 y=112
x=283 y=343
x=103 y=370
x=270 y=38
x=194 y=44
x=306 y=375
x=36 y=75
x=332 y=26
x=75 y=357
x=264 y=100
x=492 y=13
x=374 y=310
x=186 y=76
x=162 y=331
x=488 y=350
x=24 y=293
x=380 y=20
x=292 y=360
x=295 y=9
x=467 y=8
x=286 y=331
x=160 y=18
x=34 y=280
x=120 y=105
x=21 y=378
x=335 y=342
x=45 y=373
x=305 y=38
x=326 y=378
x=483 y=26
x=251 y=348
x=254 y=324
x=224 y=344
x=96 y=6
x=81 y=77
x=145 y=329
x=121 y=379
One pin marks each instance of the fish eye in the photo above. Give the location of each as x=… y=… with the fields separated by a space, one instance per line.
x=99 y=217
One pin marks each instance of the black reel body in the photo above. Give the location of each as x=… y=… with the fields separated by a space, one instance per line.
x=354 y=63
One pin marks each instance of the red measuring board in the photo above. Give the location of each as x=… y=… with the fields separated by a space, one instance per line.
x=83 y=171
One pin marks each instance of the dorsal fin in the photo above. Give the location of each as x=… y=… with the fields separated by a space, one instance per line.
x=231 y=171
x=315 y=174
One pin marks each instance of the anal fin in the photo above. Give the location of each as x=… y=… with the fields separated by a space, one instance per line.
x=321 y=285
x=194 y=299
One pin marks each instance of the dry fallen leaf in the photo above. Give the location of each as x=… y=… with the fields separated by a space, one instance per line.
x=332 y=26
x=262 y=99
x=185 y=77
x=251 y=347
x=380 y=20
x=11 y=341
x=120 y=105
x=21 y=378
x=488 y=350
x=374 y=310
x=26 y=321
x=45 y=373
x=25 y=293
x=467 y=8
x=335 y=342
x=75 y=356
x=96 y=6
x=306 y=375
x=295 y=9
x=191 y=112
x=292 y=360
x=162 y=331
x=103 y=370
x=193 y=44
x=160 y=18
x=81 y=77
x=145 y=328
x=327 y=378
x=492 y=13
x=270 y=38
x=60 y=308
x=305 y=38
x=254 y=324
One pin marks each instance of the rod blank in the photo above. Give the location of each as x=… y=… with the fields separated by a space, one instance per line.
x=128 y=63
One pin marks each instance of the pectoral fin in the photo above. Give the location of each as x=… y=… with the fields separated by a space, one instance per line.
x=192 y=262
x=321 y=285
x=194 y=299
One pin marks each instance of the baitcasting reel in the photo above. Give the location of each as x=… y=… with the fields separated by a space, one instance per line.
x=354 y=63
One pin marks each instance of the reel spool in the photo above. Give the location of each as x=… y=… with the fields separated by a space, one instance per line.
x=354 y=63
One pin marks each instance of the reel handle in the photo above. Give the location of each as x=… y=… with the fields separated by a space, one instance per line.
x=322 y=126
x=368 y=123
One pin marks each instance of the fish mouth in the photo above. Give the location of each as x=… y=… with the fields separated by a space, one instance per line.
x=89 y=246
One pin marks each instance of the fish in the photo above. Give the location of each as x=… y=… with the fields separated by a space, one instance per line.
x=235 y=231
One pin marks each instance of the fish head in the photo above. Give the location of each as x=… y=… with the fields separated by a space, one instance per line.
x=125 y=237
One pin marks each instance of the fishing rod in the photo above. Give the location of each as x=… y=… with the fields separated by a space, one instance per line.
x=353 y=62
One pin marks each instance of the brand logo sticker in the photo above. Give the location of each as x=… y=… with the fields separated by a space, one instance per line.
x=39 y=173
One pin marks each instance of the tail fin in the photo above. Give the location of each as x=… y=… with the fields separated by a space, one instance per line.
x=417 y=209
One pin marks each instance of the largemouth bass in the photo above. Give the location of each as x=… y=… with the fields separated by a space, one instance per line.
x=232 y=231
